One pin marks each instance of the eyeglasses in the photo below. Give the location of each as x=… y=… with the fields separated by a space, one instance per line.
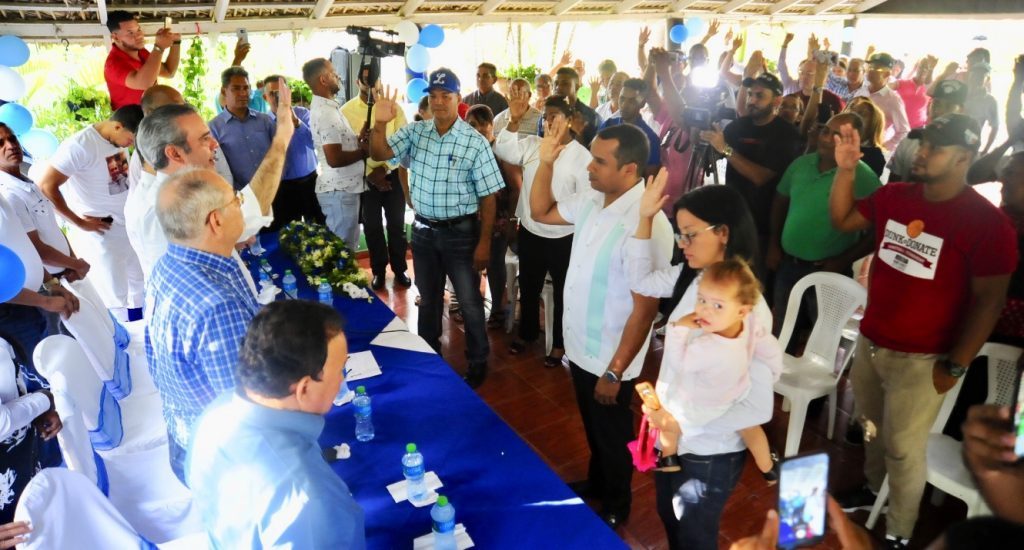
x=686 y=239
x=239 y=198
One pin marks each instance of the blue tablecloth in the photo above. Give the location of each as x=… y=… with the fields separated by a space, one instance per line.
x=502 y=491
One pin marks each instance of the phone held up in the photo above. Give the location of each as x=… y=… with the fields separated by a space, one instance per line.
x=803 y=500
x=243 y=36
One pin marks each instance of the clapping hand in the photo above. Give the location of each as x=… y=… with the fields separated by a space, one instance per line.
x=847 y=150
x=654 y=197
x=551 y=144
x=386 y=106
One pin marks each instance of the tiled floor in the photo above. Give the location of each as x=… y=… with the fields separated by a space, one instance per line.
x=539 y=404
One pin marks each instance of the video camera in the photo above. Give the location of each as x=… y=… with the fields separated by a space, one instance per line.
x=375 y=47
x=709 y=107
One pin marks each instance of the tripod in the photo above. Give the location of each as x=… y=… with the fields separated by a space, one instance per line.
x=702 y=162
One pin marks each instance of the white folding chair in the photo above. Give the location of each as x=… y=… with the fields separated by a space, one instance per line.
x=547 y=296
x=67 y=511
x=814 y=374
x=104 y=340
x=946 y=469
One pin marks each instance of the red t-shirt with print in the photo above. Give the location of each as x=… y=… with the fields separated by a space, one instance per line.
x=925 y=256
x=116 y=70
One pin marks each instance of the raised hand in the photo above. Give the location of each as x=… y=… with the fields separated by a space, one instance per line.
x=1018 y=69
x=826 y=43
x=847 y=150
x=164 y=38
x=871 y=50
x=728 y=36
x=737 y=43
x=645 y=35
x=241 y=51
x=713 y=28
x=950 y=70
x=821 y=71
x=788 y=39
x=566 y=58
x=595 y=85
x=518 y=103
x=285 y=116
x=551 y=144
x=754 y=65
x=581 y=68
x=654 y=197
x=812 y=44
x=386 y=107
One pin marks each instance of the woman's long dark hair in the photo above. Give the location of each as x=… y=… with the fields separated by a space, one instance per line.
x=722 y=206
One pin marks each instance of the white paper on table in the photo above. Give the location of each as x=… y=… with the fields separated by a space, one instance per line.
x=462 y=540
x=403 y=340
x=361 y=365
x=400 y=490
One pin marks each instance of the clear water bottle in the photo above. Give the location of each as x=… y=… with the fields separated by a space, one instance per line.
x=291 y=286
x=412 y=469
x=257 y=249
x=364 y=415
x=325 y=292
x=266 y=273
x=443 y=517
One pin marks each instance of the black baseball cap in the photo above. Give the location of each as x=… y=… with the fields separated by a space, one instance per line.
x=883 y=60
x=950 y=90
x=766 y=80
x=954 y=129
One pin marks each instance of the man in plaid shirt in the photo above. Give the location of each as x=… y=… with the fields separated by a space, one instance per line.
x=453 y=178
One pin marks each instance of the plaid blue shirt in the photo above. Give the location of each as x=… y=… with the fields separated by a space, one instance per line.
x=449 y=174
x=199 y=307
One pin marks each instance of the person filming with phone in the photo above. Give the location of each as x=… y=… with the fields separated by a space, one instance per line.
x=131 y=68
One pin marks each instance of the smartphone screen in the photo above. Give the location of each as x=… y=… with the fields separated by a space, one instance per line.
x=1018 y=417
x=803 y=489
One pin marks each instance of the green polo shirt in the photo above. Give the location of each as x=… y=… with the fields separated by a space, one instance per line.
x=808 y=233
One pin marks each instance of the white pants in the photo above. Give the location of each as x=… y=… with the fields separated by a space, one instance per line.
x=114 y=270
x=341 y=209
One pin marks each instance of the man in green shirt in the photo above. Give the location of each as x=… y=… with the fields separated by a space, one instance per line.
x=803 y=238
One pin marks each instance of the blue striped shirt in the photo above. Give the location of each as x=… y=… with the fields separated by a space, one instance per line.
x=449 y=174
x=199 y=307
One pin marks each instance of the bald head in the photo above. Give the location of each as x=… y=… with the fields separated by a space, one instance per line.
x=186 y=200
x=158 y=95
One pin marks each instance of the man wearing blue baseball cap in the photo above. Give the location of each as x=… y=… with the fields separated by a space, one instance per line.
x=453 y=178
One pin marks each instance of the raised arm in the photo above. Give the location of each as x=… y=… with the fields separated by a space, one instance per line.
x=385 y=110
x=169 y=67
x=641 y=47
x=841 y=205
x=267 y=178
x=543 y=207
x=810 y=119
x=782 y=66
x=725 y=70
x=145 y=76
x=1014 y=118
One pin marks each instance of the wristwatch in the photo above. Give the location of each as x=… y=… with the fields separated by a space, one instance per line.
x=727 y=152
x=610 y=376
x=956 y=370
x=157 y=48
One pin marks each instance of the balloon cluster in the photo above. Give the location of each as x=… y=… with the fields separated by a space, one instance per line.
x=693 y=26
x=39 y=143
x=417 y=56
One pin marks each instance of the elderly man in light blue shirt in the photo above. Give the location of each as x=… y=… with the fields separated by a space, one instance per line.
x=258 y=477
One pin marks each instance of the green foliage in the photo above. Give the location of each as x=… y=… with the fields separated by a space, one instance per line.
x=321 y=253
x=194 y=69
x=77 y=107
x=529 y=72
x=301 y=94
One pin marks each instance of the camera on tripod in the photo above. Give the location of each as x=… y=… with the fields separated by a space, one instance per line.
x=375 y=47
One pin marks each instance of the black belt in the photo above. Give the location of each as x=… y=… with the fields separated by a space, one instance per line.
x=442 y=224
x=799 y=261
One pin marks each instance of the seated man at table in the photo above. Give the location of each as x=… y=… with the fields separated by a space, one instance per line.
x=256 y=470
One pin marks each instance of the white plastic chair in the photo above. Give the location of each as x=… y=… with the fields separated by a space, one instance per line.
x=547 y=296
x=814 y=374
x=946 y=469
x=104 y=341
x=67 y=511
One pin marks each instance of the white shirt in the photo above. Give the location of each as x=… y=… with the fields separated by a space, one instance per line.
x=16 y=411
x=135 y=170
x=568 y=177
x=145 y=233
x=597 y=298
x=330 y=127
x=14 y=236
x=896 y=124
x=721 y=434
x=606 y=112
x=35 y=212
x=97 y=173
x=527 y=125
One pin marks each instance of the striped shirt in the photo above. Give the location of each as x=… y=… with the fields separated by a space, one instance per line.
x=449 y=174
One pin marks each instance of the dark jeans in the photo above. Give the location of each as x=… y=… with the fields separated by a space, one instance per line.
x=27 y=326
x=295 y=199
x=496 y=278
x=539 y=256
x=608 y=428
x=789 y=273
x=703 y=486
x=441 y=252
x=392 y=205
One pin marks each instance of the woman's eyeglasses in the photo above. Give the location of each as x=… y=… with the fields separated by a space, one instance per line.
x=686 y=239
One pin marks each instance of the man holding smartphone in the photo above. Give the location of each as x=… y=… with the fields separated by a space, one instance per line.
x=130 y=67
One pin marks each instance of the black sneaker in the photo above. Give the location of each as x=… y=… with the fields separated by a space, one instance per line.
x=772 y=476
x=861 y=498
x=896 y=543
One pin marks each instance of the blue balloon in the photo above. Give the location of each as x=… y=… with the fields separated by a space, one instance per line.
x=13 y=51
x=13 y=278
x=695 y=26
x=16 y=117
x=417 y=58
x=414 y=90
x=678 y=34
x=39 y=143
x=431 y=36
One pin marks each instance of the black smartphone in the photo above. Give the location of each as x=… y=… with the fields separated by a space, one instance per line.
x=803 y=500
x=108 y=219
x=1018 y=416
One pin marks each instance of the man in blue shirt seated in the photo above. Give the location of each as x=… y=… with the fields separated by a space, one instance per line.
x=632 y=99
x=256 y=470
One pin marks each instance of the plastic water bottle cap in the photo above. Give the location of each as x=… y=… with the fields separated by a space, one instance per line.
x=442 y=501
x=323 y=280
x=360 y=390
x=287 y=272
x=410 y=448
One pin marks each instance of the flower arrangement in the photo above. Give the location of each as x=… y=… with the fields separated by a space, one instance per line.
x=320 y=253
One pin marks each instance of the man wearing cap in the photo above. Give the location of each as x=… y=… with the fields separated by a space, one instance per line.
x=947 y=97
x=944 y=256
x=758 y=147
x=453 y=178
x=878 y=90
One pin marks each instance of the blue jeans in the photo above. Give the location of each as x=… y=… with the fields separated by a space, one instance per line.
x=342 y=212
x=448 y=251
x=700 y=490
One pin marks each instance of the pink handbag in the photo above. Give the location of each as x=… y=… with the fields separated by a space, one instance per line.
x=645 y=456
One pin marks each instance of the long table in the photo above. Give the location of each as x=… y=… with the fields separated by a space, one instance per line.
x=504 y=494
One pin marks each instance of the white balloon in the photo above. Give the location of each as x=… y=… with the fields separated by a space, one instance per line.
x=12 y=86
x=408 y=32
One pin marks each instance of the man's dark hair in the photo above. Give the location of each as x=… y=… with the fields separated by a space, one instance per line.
x=129 y=116
x=231 y=72
x=490 y=68
x=273 y=78
x=607 y=66
x=852 y=118
x=285 y=342
x=981 y=54
x=116 y=17
x=559 y=102
x=633 y=145
x=480 y=113
x=312 y=69
x=636 y=84
x=569 y=71
x=160 y=129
